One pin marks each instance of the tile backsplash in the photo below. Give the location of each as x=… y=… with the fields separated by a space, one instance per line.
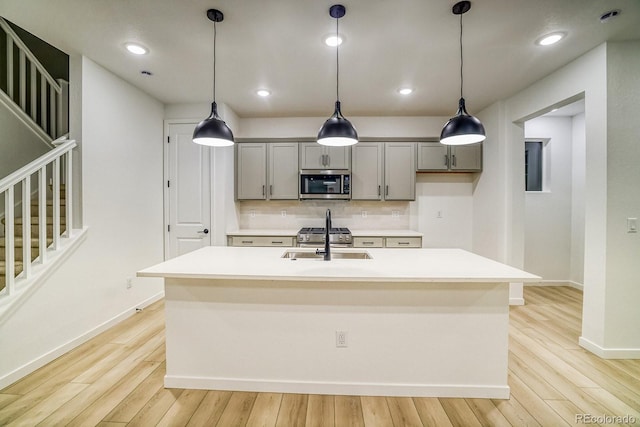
x=292 y=214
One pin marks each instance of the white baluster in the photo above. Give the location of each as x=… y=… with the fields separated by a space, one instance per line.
x=10 y=66
x=43 y=102
x=42 y=214
x=68 y=192
x=34 y=93
x=26 y=226
x=9 y=240
x=56 y=203
x=22 y=84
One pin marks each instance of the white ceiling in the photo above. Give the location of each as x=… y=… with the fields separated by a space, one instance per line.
x=278 y=45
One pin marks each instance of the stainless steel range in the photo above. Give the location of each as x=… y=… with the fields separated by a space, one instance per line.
x=314 y=237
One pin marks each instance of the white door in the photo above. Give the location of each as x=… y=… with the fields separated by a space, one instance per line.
x=188 y=191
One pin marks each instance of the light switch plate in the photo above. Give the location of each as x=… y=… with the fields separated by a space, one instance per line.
x=632 y=225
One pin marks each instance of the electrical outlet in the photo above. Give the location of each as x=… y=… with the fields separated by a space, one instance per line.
x=439 y=215
x=395 y=214
x=283 y=213
x=341 y=339
x=129 y=282
x=364 y=214
x=252 y=213
x=632 y=225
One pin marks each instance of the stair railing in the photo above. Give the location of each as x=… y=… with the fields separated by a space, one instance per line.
x=54 y=159
x=39 y=96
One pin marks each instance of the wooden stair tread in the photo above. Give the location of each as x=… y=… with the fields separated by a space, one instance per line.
x=18 y=241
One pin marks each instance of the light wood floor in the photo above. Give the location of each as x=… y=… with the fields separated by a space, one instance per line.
x=116 y=379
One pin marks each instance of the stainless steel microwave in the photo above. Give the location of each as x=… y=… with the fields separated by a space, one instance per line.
x=325 y=184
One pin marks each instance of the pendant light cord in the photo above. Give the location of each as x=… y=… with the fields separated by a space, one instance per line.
x=214 y=61
x=337 y=61
x=461 y=60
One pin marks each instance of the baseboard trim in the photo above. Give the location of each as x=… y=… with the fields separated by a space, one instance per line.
x=609 y=353
x=40 y=361
x=569 y=283
x=338 y=388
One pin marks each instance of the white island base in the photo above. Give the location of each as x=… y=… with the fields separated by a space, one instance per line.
x=407 y=333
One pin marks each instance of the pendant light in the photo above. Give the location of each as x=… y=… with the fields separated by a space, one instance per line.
x=463 y=128
x=213 y=131
x=337 y=131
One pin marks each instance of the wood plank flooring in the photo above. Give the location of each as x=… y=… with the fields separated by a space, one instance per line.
x=116 y=379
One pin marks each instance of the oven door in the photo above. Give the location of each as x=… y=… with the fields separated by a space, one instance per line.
x=324 y=185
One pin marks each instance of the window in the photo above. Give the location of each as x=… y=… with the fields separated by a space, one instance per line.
x=533 y=165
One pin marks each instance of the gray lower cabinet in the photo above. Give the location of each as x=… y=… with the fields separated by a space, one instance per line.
x=316 y=156
x=436 y=157
x=383 y=171
x=267 y=171
x=387 y=242
x=263 y=241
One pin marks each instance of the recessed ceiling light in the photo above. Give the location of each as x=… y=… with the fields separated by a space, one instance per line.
x=263 y=92
x=550 y=39
x=136 y=49
x=405 y=91
x=333 y=40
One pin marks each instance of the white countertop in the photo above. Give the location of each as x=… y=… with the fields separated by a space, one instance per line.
x=386 y=265
x=264 y=232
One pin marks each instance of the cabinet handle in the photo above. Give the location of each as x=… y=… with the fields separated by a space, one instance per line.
x=378 y=190
x=403 y=243
x=453 y=158
x=247 y=242
x=367 y=243
x=446 y=160
x=386 y=191
x=271 y=190
x=273 y=242
x=263 y=190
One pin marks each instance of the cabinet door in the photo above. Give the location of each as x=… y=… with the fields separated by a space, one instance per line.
x=316 y=156
x=400 y=171
x=466 y=157
x=312 y=156
x=432 y=156
x=283 y=170
x=338 y=157
x=366 y=171
x=251 y=171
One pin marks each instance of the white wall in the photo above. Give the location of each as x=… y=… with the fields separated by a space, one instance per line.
x=121 y=146
x=18 y=144
x=578 y=173
x=547 y=247
x=621 y=329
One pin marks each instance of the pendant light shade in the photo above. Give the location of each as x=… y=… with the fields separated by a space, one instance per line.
x=213 y=131
x=337 y=130
x=463 y=128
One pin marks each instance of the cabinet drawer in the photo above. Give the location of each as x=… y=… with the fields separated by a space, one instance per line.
x=368 y=242
x=261 y=241
x=404 y=242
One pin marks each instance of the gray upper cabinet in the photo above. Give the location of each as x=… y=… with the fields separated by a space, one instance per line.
x=400 y=171
x=367 y=171
x=267 y=171
x=251 y=171
x=283 y=170
x=436 y=157
x=316 y=156
x=383 y=171
x=466 y=157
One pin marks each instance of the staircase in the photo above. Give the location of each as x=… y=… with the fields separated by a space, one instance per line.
x=37 y=218
x=34 y=240
x=30 y=92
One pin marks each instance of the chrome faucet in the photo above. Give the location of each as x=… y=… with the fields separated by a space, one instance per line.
x=327 y=230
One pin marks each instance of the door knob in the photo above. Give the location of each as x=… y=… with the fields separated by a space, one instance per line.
x=205 y=231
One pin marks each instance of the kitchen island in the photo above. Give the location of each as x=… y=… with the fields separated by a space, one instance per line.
x=411 y=322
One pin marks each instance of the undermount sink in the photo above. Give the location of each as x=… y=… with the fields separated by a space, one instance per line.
x=298 y=254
